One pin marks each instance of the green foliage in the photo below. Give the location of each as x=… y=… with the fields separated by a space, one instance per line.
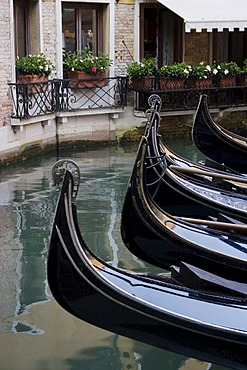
x=202 y=71
x=228 y=69
x=144 y=68
x=34 y=64
x=84 y=60
x=244 y=69
x=181 y=70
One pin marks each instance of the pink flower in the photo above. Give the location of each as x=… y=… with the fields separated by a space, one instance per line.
x=94 y=69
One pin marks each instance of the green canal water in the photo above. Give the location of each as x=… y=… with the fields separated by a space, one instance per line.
x=35 y=332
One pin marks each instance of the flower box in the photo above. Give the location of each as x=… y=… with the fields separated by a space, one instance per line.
x=83 y=80
x=172 y=83
x=228 y=81
x=36 y=83
x=143 y=83
x=204 y=83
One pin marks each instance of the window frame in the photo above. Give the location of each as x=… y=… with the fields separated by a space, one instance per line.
x=78 y=17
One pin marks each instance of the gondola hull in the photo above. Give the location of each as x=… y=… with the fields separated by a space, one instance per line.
x=156 y=203
x=191 y=322
x=216 y=142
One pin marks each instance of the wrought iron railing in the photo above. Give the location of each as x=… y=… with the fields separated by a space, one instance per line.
x=37 y=99
x=187 y=98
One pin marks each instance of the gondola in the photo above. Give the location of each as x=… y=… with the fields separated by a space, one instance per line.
x=167 y=218
x=207 y=171
x=216 y=142
x=206 y=323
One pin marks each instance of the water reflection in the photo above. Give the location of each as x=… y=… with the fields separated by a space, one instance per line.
x=35 y=333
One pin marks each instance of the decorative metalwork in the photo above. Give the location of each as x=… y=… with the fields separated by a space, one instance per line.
x=58 y=171
x=187 y=98
x=30 y=100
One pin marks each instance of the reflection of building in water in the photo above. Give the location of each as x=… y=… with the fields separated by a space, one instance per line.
x=23 y=209
x=193 y=364
x=129 y=359
x=11 y=266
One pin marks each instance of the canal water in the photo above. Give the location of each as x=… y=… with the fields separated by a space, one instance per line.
x=35 y=332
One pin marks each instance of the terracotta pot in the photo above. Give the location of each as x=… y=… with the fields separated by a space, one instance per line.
x=36 y=82
x=86 y=80
x=228 y=81
x=143 y=83
x=172 y=83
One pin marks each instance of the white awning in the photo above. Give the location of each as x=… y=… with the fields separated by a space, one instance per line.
x=210 y=14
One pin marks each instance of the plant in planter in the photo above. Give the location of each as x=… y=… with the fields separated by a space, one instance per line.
x=173 y=76
x=141 y=74
x=227 y=72
x=243 y=75
x=83 y=65
x=34 y=69
x=201 y=75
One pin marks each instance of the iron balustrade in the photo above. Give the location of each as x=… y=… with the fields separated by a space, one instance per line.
x=188 y=98
x=37 y=99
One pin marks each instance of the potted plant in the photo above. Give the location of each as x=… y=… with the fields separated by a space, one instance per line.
x=243 y=74
x=227 y=72
x=83 y=65
x=173 y=76
x=201 y=75
x=141 y=74
x=34 y=69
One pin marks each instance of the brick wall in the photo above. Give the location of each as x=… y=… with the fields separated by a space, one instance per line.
x=49 y=28
x=124 y=36
x=5 y=63
x=197 y=47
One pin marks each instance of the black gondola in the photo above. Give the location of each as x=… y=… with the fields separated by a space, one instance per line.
x=216 y=142
x=209 y=325
x=167 y=218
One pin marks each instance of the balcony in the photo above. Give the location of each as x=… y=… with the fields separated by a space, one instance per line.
x=39 y=99
x=66 y=95
x=186 y=98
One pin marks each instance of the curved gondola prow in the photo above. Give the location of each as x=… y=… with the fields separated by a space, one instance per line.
x=216 y=142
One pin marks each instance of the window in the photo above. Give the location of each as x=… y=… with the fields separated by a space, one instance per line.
x=26 y=18
x=161 y=34
x=82 y=26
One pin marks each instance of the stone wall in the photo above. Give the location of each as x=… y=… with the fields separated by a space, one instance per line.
x=5 y=63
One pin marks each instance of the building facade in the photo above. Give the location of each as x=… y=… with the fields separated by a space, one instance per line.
x=127 y=30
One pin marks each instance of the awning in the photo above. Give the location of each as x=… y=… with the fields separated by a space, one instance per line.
x=210 y=14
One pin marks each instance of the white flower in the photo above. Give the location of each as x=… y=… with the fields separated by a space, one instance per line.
x=226 y=71
x=208 y=68
x=186 y=71
x=215 y=71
